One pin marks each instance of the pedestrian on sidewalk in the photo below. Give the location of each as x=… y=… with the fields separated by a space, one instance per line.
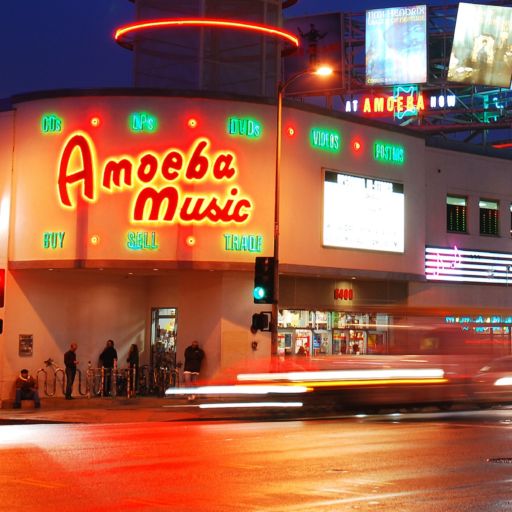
x=194 y=356
x=70 y=362
x=26 y=389
x=133 y=362
x=108 y=360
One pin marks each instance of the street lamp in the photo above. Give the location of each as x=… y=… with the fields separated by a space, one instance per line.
x=281 y=87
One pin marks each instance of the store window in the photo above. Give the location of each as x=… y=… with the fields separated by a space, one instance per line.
x=489 y=216
x=456 y=214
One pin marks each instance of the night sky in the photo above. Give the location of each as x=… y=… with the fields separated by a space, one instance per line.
x=57 y=44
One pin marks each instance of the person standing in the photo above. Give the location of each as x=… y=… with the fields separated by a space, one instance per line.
x=108 y=360
x=70 y=362
x=26 y=389
x=194 y=356
x=133 y=362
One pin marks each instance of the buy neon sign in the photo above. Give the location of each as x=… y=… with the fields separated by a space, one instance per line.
x=155 y=180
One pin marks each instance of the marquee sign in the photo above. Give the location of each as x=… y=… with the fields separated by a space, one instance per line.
x=154 y=180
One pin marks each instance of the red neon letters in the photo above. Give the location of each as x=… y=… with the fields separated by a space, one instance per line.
x=146 y=173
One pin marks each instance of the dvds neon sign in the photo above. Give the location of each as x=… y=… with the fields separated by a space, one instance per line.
x=155 y=180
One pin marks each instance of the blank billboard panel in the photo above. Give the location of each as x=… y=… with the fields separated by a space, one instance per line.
x=482 y=46
x=396 y=45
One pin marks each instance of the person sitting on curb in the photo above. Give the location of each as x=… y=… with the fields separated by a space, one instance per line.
x=26 y=389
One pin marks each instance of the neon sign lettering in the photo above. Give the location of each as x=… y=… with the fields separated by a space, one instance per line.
x=244 y=127
x=327 y=140
x=51 y=123
x=393 y=104
x=53 y=239
x=243 y=243
x=141 y=240
x=142 y=122
x=389 y=153
x=155 y=179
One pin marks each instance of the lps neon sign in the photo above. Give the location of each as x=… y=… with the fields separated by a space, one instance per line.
x=145 y=173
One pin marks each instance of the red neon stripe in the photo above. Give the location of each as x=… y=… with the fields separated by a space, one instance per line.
x=502 y=146
x=204 y=22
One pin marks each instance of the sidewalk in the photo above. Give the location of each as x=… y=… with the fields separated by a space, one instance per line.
x=99 y=410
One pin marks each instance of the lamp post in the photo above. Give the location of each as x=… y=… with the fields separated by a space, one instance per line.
x=281 y=88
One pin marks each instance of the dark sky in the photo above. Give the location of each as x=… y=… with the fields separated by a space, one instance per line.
x=55 y=44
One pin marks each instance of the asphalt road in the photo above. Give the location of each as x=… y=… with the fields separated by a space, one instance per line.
x=422 y=463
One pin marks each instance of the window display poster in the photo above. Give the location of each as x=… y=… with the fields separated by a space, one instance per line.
x=396 y=45
x=363 y=213
x=26 y=345
x=482 y=46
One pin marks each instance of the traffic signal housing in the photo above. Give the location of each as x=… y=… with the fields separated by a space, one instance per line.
x=263 y=292
x=260 y=322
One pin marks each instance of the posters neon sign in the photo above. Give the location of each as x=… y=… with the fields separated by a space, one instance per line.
x=144 y=174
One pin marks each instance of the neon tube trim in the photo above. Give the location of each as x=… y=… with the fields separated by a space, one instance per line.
x=203 y=22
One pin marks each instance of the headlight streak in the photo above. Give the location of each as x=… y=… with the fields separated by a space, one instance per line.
x=244 y=405
x=388 y=375
x=247 y=389
x=504 y=381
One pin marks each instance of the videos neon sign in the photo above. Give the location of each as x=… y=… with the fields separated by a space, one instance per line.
x=145 y=173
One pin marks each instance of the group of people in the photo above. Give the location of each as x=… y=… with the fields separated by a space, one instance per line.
x=26 y=385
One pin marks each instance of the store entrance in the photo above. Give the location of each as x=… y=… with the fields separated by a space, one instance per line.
x=163 y=337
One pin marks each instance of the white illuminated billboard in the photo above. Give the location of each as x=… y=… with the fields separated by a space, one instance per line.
x=363 y=213
x=396 y=45
x=482 y=46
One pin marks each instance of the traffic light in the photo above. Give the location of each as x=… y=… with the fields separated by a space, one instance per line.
x=260 y=322
x=263 y=292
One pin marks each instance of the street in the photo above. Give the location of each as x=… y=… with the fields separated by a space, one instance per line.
x=420 y=462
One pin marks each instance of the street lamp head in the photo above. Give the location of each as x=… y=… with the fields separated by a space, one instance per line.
x=323 y=70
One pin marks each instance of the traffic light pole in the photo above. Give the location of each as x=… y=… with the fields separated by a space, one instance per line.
x=319 y=70
x=275 y=303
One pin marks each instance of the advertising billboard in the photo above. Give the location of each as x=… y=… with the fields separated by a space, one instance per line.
x=320 y=43
x=396 y=45
x=482 y=46
x=363 y=213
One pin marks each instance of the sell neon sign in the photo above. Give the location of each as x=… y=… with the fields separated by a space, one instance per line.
x=141 y=240
x=144 y=174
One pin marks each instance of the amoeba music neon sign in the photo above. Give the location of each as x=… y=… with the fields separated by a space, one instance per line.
x=459 y=265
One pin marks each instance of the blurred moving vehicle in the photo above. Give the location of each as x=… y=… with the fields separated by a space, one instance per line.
x=492 y=384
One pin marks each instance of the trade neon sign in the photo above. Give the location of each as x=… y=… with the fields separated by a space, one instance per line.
x=157 y=182
x=243 y=243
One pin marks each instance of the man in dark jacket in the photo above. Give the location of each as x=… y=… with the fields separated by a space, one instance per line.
x=108 y=360
x=70 y=363
x=26 y=389
x=193 y=359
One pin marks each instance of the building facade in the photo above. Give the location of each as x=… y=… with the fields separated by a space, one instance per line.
x=138 y=216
